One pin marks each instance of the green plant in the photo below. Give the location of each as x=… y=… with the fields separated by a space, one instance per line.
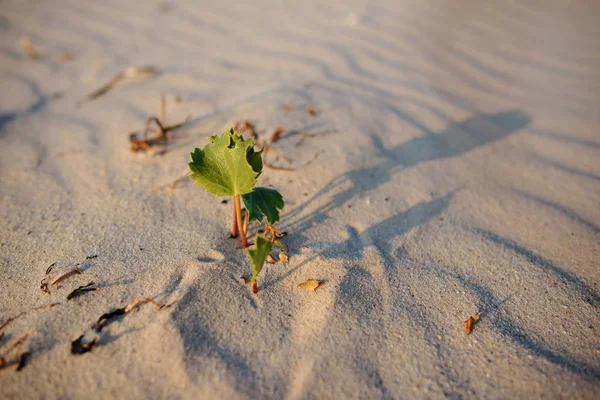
x=229 y=166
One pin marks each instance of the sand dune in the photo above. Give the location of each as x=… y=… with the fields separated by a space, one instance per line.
x=451 y=167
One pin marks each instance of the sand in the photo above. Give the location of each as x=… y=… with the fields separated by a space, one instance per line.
x=454 y=170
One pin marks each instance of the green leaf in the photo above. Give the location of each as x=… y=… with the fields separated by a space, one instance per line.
x=223 y=166
x=255 y=160
x=258 y=254
x=263 y=202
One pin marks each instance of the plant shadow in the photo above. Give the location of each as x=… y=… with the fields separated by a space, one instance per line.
x=457 y=139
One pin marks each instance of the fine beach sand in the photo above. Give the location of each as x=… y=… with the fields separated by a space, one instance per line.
x=454 y=169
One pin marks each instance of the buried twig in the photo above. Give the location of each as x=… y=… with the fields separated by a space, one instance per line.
x=82 y=289
x=45 y=283
x=20 y=360
x=276 y=168
x=162 y=130
x=78 y=346
x=11 y=319
x=310 y=135
x=131 y=72
x=245 y=126
x=105 y=318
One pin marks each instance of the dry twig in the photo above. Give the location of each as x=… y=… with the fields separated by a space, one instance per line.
x=131 y=72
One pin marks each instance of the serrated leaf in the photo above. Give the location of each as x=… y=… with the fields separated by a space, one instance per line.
x=263 y=202
x=222 y=167
x=258 y=254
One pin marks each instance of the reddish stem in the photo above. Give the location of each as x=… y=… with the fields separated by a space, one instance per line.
x=255 y=287
x=234 y=230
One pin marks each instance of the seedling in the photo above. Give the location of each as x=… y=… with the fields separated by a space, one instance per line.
x=229 y=166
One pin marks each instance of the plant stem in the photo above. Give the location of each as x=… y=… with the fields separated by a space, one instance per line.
x=234 y=230
x=238 y=214
x=254 y=287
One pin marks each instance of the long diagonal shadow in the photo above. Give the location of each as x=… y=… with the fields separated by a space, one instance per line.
x=457 y=139
x=379 y=235
x=506 y=326
x=585 y=291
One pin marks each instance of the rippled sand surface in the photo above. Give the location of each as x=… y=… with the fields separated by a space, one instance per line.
x=452 y=167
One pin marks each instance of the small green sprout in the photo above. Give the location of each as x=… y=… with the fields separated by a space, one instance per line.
x=229 y=166
x=258 y=255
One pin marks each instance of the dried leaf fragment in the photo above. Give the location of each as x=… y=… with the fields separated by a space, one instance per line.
x=311 y=110
x=310 y=284
x=277 y=134
x=29 y=48
x=469 y=323
x=271 y=260
x=66 y=57
x=284 y=258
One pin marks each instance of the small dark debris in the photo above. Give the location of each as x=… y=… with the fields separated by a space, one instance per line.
x=103 y=320
x=44 y=286
x=387 y=199
x=91 y=257
x=349 y=205
x=225 y=201
x=49 y=269
x=23 y=360
x=79 y=347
